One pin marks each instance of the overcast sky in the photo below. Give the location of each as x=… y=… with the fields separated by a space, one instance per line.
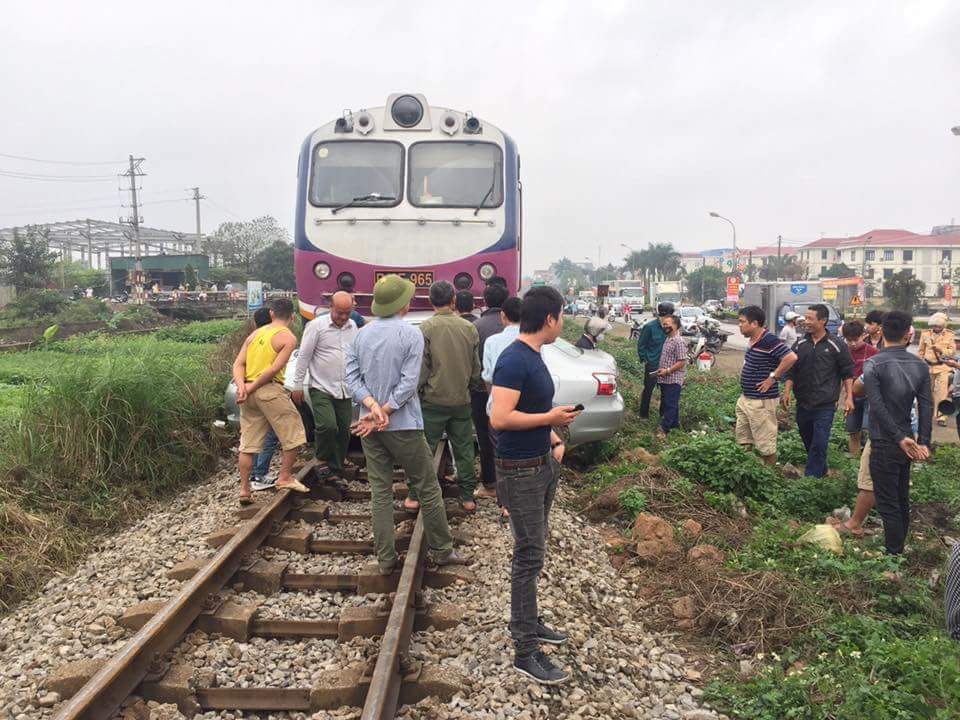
x=633 y=119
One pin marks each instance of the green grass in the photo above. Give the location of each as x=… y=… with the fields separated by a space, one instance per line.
x=873 y=646
x=91 y=430
x=203 y=332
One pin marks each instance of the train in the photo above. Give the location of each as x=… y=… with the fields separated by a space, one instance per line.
x=408 y=188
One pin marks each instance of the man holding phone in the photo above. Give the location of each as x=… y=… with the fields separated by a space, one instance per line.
x=528 y=457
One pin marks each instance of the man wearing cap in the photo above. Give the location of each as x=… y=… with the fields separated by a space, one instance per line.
x=649 y=346
x=593 y=332
x=383 y=368
x=936 y=345
x=789 y=334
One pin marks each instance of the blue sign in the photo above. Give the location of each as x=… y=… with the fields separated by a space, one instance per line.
x=798 y=289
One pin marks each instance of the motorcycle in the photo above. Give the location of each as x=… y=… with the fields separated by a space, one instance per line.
x=714 y=338
x=635 y=327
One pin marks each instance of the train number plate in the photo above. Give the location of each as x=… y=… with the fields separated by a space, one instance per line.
x=420 y=278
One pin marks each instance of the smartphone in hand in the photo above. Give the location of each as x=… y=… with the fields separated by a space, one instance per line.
x=578 y=407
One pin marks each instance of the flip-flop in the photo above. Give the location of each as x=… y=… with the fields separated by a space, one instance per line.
x=296 y=486
x=467 y=510
x=844 y=530
x=401 y=506
x=246 y=500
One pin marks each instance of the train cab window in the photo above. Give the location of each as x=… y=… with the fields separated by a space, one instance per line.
x=456 y=174
x=345 y=170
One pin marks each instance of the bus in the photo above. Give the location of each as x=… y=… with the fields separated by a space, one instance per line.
x=421 y=191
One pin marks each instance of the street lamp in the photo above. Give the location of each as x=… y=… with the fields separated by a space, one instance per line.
x=955 y=129
x=736 y=263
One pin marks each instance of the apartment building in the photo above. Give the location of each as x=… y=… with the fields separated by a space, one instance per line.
x=878 y=254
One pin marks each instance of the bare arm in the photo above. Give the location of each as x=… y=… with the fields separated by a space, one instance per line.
x=505 y=416
x=239 y=370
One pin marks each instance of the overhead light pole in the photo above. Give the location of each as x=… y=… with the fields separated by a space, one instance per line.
x=736 y=263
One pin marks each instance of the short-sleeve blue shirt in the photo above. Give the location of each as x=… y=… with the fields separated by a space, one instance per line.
x=520 y=367
x=761 y=359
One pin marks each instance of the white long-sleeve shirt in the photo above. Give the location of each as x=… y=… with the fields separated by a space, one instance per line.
x=323 y=351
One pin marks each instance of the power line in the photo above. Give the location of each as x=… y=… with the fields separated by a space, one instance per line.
x=226 y=210
x=57 y=178
x=61 y=162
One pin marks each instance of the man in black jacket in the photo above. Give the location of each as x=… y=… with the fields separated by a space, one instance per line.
x=893 y=379
x=823 y=364
x=488 y=324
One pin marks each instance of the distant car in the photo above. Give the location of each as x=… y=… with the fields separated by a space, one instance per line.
x=712 y=305
x=580 y=377
x=689 y=317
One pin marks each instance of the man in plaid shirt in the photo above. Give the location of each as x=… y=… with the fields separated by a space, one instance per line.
x=670 y=376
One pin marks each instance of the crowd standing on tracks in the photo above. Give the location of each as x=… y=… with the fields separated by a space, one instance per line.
x=456 y=375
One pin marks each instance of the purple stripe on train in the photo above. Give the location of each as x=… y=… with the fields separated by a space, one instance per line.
x=314 y=291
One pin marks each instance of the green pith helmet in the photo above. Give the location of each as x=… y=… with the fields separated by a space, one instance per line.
x=390 y=295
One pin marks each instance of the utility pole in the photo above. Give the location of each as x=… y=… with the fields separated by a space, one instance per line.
x=197 y=197
x=133 y=173
x=779 y=262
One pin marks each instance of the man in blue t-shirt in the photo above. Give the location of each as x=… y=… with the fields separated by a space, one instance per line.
x=766 y=362
x=528 y=457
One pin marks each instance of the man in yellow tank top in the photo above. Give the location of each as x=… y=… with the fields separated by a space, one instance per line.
x=264 y=402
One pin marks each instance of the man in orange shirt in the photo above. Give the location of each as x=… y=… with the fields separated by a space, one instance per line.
x=264 y=402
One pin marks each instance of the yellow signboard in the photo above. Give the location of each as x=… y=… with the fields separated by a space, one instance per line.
x=829 y=293
x=856 y=301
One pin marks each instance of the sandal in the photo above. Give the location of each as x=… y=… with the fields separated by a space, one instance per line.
x=295 y=485
x=469 y=510
x=246 y=499
x=401 y=506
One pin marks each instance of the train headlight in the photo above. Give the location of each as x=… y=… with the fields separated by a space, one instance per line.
x=406 y=111
x=449 y=123
x=321 y=270
x=487 y=271
x=347 y=281
x=463 y=281
x=364 y=122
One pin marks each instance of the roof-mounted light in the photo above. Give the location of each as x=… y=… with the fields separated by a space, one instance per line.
x=406 y=111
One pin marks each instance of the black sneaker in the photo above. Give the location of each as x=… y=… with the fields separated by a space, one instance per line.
x=538 y=667
x=545 y=634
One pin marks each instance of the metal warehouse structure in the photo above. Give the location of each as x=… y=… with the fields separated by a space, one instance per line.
x=96 y=241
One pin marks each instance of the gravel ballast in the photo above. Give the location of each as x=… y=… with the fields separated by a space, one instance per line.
x=618 y=669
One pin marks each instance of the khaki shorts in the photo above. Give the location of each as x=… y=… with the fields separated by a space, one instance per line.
x=270 y=407
x=757 y=424
x=864 y=481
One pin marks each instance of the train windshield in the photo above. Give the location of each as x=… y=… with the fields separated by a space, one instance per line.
x=456 y=174
x=347 y=169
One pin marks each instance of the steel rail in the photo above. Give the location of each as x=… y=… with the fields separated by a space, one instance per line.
x=383 y=695
x=101 y=697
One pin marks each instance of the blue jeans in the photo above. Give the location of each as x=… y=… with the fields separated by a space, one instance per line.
x=814 y=428
x=670 y=406
x=262 y=465
x=528 y=494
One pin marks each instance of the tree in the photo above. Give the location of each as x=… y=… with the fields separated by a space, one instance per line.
x=838 y=270
x=789 y=268
x=25 y=260
x=237 y=244
x=223 y=275
x=274 y=266
x=663 y=260
x=712 y=280
x=190 y=278
x=79 y=274
x=569 y=274
x=902 y=290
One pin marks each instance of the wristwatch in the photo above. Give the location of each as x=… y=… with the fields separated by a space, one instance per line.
x=773 y=376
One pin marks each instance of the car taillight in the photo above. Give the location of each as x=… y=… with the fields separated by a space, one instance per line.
x=606 y=383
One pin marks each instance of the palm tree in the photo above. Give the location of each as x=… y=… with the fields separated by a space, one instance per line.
x=567 y=273
x=665 y=261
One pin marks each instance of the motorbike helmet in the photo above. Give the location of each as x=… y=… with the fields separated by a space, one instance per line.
x=791 y=315
x=664 y=309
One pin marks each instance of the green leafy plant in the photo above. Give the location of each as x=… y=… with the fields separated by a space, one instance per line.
x=718 y=462
x=633 y=501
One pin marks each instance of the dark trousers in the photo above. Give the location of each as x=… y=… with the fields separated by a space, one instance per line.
x=261 y=468
x=481 y=422
x=649 y=383
x=528 y=494
x=331 y=427
x=814 y=428
x=670 y=406
x=890 y=471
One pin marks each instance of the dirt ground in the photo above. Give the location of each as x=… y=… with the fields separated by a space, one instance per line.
x=730 y=360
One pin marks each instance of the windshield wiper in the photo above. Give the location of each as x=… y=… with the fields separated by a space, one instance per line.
x=363 y=198
x=493 y=184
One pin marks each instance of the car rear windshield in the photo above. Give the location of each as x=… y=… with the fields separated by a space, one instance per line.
x=456 y=174
x=346 y=169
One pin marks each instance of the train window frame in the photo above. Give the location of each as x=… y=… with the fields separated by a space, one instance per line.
x=409 y=176
x=367 y=203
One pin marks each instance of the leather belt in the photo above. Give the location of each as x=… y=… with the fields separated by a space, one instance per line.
x=509 y=464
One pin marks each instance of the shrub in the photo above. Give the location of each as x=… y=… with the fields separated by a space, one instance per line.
x=34 y=304
x=719 y=463
x=810 y=498
x=141 y=314
x=633 y=501
x=207 y=332
x=938 y=480
x=84 y=310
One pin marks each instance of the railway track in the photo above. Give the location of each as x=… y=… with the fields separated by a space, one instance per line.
x=222 y=596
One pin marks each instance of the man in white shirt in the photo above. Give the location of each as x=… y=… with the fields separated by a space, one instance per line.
x=496 y=344
x=323 y=352
x=790 y=334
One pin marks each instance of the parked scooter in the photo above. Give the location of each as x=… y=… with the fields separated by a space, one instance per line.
x=714 y=338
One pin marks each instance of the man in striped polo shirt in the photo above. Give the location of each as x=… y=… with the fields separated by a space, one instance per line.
x=766 y=362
